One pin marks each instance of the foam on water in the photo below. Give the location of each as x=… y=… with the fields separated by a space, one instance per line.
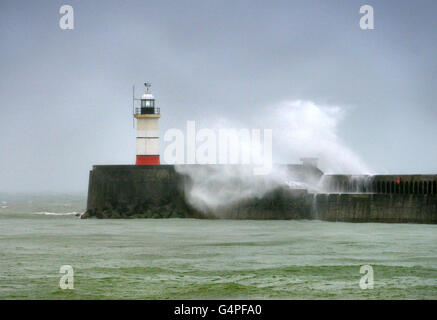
x=59 y=213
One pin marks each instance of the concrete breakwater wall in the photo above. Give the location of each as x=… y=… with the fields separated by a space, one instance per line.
x=162 y=192
x=136 y=191
x=393 y=208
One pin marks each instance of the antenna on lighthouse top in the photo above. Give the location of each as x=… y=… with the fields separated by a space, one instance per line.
x=147 y=85
x=133 y=106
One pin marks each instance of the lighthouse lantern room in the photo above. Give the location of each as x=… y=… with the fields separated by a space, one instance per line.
x=147 y=129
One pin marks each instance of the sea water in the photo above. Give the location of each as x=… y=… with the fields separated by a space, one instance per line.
x=206 y=259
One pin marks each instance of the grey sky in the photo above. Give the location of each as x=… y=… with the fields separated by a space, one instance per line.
x=65 y=96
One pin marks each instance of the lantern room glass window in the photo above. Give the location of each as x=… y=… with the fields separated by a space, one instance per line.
x=147 y=103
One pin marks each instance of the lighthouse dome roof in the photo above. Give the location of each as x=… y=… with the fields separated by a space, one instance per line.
x=147 y=96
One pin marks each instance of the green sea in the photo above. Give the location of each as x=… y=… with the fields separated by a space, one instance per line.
x=206 y=259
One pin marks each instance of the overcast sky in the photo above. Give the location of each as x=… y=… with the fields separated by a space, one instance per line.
x=65 y=95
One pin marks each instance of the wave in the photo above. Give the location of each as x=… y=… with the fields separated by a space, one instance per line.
x=59 y=213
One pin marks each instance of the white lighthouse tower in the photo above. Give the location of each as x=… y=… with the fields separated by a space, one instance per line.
x=147 y=129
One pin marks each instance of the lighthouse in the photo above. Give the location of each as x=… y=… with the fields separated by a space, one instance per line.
x=147 y=129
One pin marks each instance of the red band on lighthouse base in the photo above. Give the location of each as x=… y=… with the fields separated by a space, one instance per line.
x=147 y=160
